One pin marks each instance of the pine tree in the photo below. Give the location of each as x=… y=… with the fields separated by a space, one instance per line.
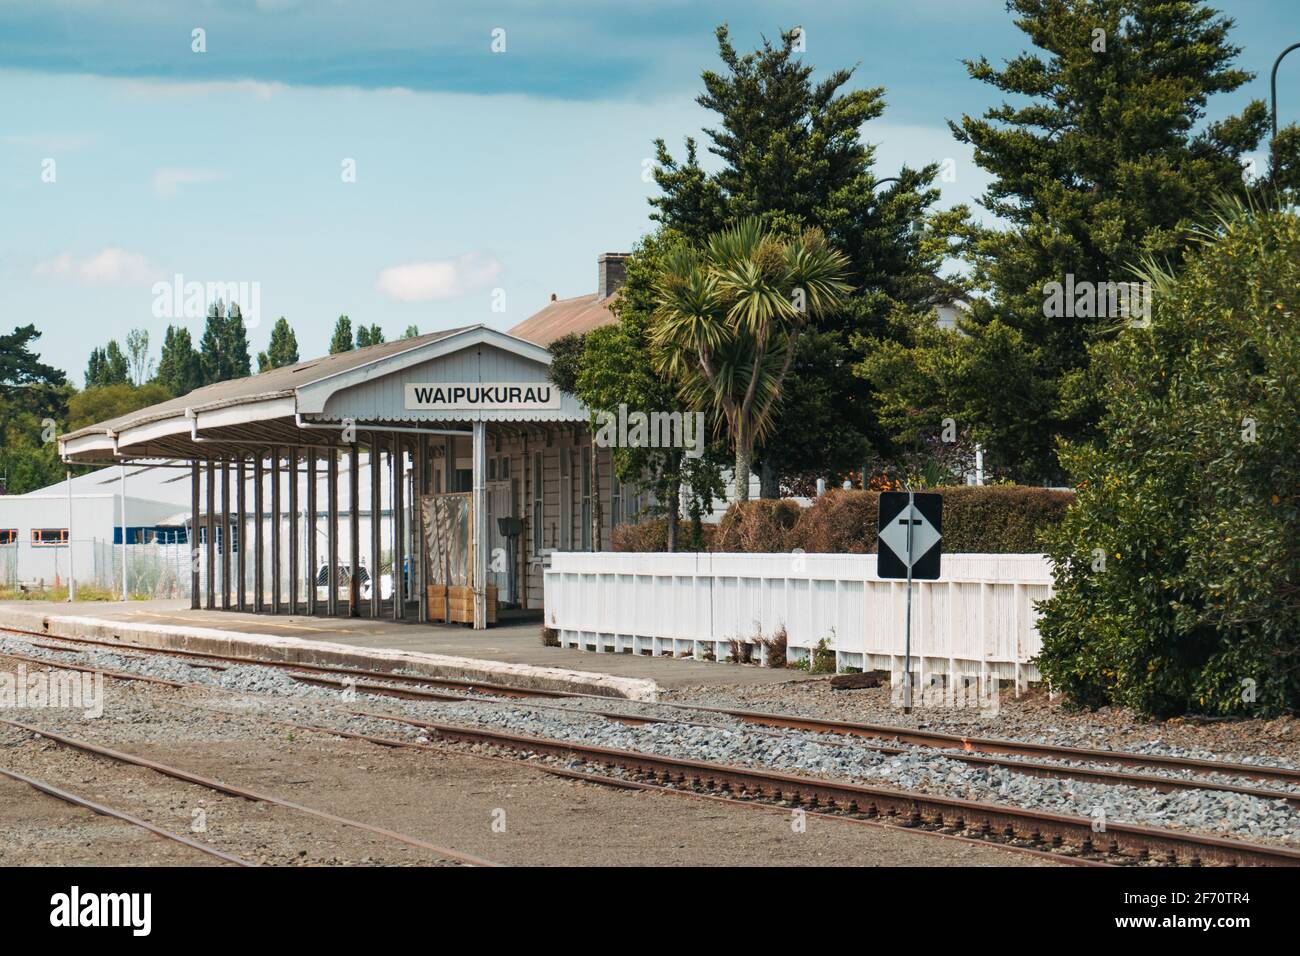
x=793 y=156
x=342 y=338
x=1103 y=159
x=282 y=349
x=224 y=347
x=107 y=366
x=240 y=363
x=180 y=369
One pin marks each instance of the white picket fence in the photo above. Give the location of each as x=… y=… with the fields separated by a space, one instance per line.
x=978 y=620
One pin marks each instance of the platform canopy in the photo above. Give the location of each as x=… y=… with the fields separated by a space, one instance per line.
x=433 y=382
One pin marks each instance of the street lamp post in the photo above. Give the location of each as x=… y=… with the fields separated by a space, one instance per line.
x=1273 y=82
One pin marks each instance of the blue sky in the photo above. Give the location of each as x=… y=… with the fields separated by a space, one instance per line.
x=475 y=170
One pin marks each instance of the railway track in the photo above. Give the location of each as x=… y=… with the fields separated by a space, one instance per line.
x=1123 y=843
x=78 y=801
x=642 y=782
x=1163 y=784
x=917 y=737
x=259 y=796
x=1061 y=835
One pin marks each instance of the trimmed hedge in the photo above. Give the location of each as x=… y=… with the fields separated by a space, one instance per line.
x=987 y=519
x=652 y=535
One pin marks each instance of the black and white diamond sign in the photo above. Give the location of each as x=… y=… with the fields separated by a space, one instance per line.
x=923 y=516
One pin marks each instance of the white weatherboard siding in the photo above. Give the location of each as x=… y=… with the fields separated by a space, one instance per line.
x=979 y=619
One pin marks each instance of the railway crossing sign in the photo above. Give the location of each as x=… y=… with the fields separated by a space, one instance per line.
x=911 y=535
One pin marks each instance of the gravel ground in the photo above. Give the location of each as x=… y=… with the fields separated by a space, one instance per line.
x=1032 y=717
x=449 y=798
x=832 y=756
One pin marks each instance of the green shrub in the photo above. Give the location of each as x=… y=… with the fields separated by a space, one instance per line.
x=1177 y=573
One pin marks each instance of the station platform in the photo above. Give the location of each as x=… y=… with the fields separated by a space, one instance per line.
x=510 y=652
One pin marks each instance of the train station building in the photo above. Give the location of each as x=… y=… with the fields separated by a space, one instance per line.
x=426 y=479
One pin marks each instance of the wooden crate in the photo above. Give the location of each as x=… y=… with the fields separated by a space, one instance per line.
x=457 y=603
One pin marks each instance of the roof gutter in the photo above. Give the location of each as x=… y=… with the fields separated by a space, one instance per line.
x=330 y=426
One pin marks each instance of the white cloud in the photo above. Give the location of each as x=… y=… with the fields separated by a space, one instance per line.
x=110 y=266
x=168 y=180
x=258 y=89
x=439 y=278
x=50 y=142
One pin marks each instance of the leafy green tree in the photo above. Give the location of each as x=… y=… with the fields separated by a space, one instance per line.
x=223 y=350
x=282 y=349
x=341 y=341
x=372 y=335
x=33 y=399
x=729 y=320
x=107 y=366
x=411 y=332
x=614 y=365
x=180 y=368
x=792 y=153
x=1101 y=156
x=1177 y=574
x=137 y=347
x=109 y=401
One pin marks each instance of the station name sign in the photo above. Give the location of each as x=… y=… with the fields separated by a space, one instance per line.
x=482 y=396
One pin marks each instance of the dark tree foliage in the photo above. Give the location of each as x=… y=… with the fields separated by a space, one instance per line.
x=33 y=398
x=1102 y=156
x=792 y=154
x=107 y=366
x=223 y=350
x=341 y=340
x=369 y=335
x=282 y=349
x=180 y=369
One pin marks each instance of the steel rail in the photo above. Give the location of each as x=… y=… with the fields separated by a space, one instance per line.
x=116 y=675
x=625 y=784
x=244 y=792
x=1139 y=842
x=916 y=737
x=484 y=686
x=102 y=810
x=1030 y=768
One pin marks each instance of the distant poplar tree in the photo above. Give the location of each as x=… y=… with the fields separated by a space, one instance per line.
x=137 y=346
x=180 y=370
x=282 y=349
x=369 y=336
x=342 y=339
x=411 y=332
x=224 y=347
x=107 y=366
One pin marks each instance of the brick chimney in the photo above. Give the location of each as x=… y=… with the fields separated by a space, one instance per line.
x=611 y=270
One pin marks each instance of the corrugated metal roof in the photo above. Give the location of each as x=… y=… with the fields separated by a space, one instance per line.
x=580 y=314
x=275 y=383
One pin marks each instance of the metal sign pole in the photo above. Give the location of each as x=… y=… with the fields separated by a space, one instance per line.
x=907 y=639
x=125 y=593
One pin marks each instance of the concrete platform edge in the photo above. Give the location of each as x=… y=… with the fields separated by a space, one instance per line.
x=299 y=651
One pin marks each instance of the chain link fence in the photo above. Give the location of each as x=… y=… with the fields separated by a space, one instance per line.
x=157 y=570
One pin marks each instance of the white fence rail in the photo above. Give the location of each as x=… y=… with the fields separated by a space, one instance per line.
x=979 y=619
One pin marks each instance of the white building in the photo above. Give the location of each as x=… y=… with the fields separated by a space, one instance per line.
x=81 y=521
